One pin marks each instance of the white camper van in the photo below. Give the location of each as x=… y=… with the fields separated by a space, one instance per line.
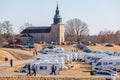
x=107 y=63
x=42 y=68
x=93 y=58
x=54 y=50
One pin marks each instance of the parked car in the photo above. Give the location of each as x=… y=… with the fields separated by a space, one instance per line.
x=85 y=49
x=108 y=75
x=29 y=45
x=50 y=46
x=81 y=46
x=108 y=45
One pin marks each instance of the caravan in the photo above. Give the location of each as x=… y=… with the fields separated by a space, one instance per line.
x=42 y=68
x=50 y=51
x=107 y=63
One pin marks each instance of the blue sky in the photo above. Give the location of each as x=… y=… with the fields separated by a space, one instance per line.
x=98 y=14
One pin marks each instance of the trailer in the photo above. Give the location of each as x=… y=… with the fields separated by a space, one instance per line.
x=53 y=50
x=107 y=63
x=43 y=68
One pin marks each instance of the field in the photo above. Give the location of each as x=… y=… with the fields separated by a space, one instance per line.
x=73 y=71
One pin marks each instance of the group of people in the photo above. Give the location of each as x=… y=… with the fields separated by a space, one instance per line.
x=11 y=61
x=35 y=53
x=34 y=70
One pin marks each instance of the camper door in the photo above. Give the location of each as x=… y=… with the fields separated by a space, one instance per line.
x=98 y=66
x=45 y=69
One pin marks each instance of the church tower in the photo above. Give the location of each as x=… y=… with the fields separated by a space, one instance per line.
x=57 y=28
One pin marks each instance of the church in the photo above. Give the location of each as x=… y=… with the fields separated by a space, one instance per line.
x=53 y=33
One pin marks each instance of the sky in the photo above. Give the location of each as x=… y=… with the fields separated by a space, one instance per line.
x=98 y=14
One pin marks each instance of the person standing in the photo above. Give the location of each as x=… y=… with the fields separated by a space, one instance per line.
x=53 y=69
x=29 y=73
x=36 y=52
x=11 y=62
x=34 y=68
x=33 y=53
x=6 y=60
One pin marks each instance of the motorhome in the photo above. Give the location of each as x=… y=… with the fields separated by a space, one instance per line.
x=51 y=58
x=42 y=68
x=107 y=63
x=50 y=51
x=93 y=58
x=81 y=56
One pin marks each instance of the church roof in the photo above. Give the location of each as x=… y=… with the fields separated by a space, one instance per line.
x=41 y=29
x=26 y=35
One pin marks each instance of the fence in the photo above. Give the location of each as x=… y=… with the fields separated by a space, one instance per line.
x=50 y=78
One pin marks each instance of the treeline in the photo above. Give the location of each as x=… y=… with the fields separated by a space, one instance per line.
x=6 y=31
x=106 y=36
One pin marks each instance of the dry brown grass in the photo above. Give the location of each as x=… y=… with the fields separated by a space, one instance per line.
x=4 y=54
x=12 y=69
x=13 y=55
x=76 y=70
x=101 y=47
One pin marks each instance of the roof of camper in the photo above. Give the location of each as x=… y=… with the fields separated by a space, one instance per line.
x=108 y=58
x=40 y=29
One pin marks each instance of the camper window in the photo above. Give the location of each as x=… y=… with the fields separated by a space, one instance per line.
x=103 y=73
x=50 y=50
x=88 y=57
x=110 y=62
x=38 y=58
x=26 y=66
x=105 y=63
x=43 y=67
x=98 y=64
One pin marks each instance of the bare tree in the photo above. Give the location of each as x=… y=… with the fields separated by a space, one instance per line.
x=28 y=24
x=117 y=37
x=0 y=34
x=106 y=36
x=75 y=27
x=25 y=26
x=7 y=29
x=0 y=28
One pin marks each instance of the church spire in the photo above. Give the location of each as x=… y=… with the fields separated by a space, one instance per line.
x=57 y=18
x=57 y=9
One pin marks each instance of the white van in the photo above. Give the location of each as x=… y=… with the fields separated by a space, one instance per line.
x=107 y=63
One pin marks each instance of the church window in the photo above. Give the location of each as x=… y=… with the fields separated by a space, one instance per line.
x=42 y=36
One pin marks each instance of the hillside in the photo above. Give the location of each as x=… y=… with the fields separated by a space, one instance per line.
x=14 y=54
